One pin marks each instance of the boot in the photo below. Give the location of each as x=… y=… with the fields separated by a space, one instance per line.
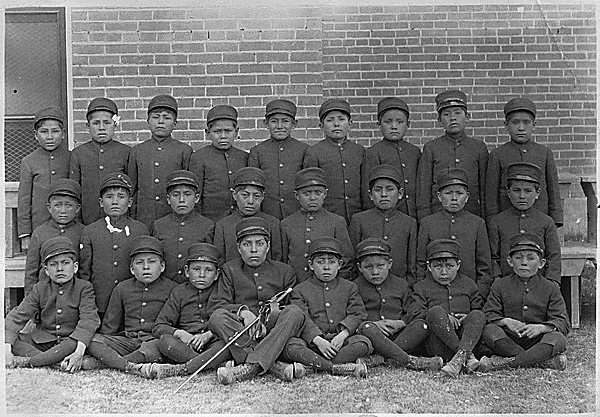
x=359 y=370
x=287 y=371
x=456 y=364
x=494 y=363
x=227 y=375
x=424 y=364
x=89 y=363
x=472 y=364
x=558 y=362
x=19 y=362
x=372 y=360
x=162 y=370
x=139 y=369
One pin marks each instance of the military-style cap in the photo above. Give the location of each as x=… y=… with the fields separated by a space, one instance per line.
x=384 y=171
x=203 y=252
x=56 y=246
x=450 y=98
x=102 y=103
x=334 y=104
x=163 y=100
x=66 y=187
x=388 y=103
x=524 y=171
x=443 y=248
x=309 y=176
x=526 y=241
x=182 y=177
x=452 y=176
x=146 y=244
x=519 y=103
x=252 y=226
x=373 y=246
x=54 y=113
x=325 y=244
x=116 y=179
x=249 y=176
x=222 y=111
x=280 y=106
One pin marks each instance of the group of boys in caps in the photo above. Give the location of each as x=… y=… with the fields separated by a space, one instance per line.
x=152 y=258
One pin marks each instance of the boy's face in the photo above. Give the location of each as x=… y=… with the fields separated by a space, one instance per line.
x=101 y=126
x=248 y=199
x=375 y=268
x=182 y=199
x=453 y=197
x=520 y=125
x=253 y=249
x=522 y=194
x=201 y=273
x=222 y=133
x=147 y=267
x=325 y=266
x=453 y=119
x=336 y=125
x=385 y=193
x=115 y=201
x=61 y=268
x=280 y=126
x=526 y=263
x=63 y=208
x=161 y=122
x=443 y=270
x=311 y=198
x=49 y=134
x=394 y=124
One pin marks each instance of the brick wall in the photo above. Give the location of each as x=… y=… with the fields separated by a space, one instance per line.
x=248 y=56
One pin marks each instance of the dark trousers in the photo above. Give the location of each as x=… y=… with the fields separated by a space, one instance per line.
x=43 y=354
x=179 y=352
x=354 y=347
x=398 y=345
x=116 y=350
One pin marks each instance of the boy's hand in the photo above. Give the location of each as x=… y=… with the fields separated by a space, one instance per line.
x=25 y=240
x=389 y=327
x=339 y=338
x=198 y=341
x=532 y=330
x=326 y=348
x=454 y=321
x=248 y=317
x=461 y=317
x=182 y=335
x=72 y=363
x=513 y=325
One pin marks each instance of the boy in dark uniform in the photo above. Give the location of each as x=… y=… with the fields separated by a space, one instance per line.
x=91 y=161
x=216 y=163
x=248 y=192
x=280 y=157
x=39 y=170
x=342 y=160
x=392 y=118
x=453 y=150
x=520 y=115
x=526 y=313
x=152 y=161
x=67 y=313
x=184 y=226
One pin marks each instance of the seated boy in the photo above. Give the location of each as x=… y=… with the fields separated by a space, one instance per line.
x=526 y=314
x=68 y=317
x=125 y=340
x=386 y=222
x=63 y=205
x=182 y=324
x=248 y=192
x=451 y=305
x=387 y=300
x=311 y=222
x=333 y=310
x=182 y=227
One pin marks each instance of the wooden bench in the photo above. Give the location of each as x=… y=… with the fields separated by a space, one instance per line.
x=573 y=260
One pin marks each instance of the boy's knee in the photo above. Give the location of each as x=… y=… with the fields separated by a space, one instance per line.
x=368 y=328
x=557 y=340
x=436 y=313
x=491 y=334
x=477 y=316
x=217 y=318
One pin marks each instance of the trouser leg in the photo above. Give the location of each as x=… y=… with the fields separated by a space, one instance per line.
x=55 y=354
x=354 y=347
x=297 y=350
x=199 y=360
x=411 y=337
x=471 y=330
x=382 y=344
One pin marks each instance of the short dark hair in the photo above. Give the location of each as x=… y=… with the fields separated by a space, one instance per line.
x=39 y=122
x=510 y=182
x=161 y=109
x=235 y=124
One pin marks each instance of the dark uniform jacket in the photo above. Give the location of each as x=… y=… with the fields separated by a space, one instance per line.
x=389 y=300
x=511 y=221
x=104 y=256
x=396 y=228
x=329 y=307
x=215 y=168
x=500 y=158
x=186 y=309
x=470 y=232
x=404 y=156
x=344 y=165
x=445 y=152
x=225 y=239
x=150 y=163
x=38 y=171
x=299 y=229
x=34 y=268
x=134 y=307
x=281 y=160
x=65 y=310
x=91 y=162
x=177 y=233
x=241 y=284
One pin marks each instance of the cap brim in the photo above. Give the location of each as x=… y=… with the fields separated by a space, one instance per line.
x=523 y=178
x=517 y=248
x=203 y=258
x=439 y=255
x=59 y=252
x=326 y=251
x=372 y=252
x=309 y=183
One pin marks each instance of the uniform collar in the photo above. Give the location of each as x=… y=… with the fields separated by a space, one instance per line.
x=57 y=226
x=183 y=217
x=518 y=212
x=162 y=142
x=392 y=212
x=456 y=215
x=103 y=144
x=331 y=284
x=534 y=279
x=459 y=137
x=312 y=213
x=336 y=144
x=281 y=142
